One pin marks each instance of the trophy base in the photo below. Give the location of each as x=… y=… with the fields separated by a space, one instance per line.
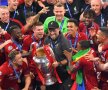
x=50 y=80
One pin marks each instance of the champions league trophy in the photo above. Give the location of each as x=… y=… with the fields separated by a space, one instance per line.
x=44 y=58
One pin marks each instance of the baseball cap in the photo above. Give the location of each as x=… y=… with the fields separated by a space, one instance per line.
x=53 y=25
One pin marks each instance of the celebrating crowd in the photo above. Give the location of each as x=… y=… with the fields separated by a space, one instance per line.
x=54 y=45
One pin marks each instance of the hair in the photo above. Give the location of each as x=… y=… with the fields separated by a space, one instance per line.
x=85 y=44
x=12 y=54
x=100 y=1
x=90 y=13
x=104 y=30
x=37 y=24
x=59 y=4
x=3 y=7
x=73 y=21
x=12 y=28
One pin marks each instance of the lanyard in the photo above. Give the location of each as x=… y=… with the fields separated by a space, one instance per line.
x=14 y=14
x=39 y=43
x=18 y=45
x=53 y=44
x=87 y=31
x=61 y=25
x=76 y=40
x=87 y=7
x=68 y=10
x=7 y=26
x=102 y=21
x=25 y=11
x=17 y=74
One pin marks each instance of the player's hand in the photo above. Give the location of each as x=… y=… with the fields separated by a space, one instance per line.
x=55 y=64
x=92 y=32
x=8 y=41
x=68 y=54
x=2 y=31
x=44 y=10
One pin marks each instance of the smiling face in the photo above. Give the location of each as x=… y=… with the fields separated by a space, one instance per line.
x=100 y=36
x=13 y=4
x=38 y=31
x=15 y=57
x=72 y=28
x=96 y=5
x=59 y=12
x=53 y=33
x=17 y=35
x=18 y=59
x=88 y=20
x=4 y=14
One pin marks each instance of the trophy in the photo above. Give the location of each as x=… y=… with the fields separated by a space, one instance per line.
x=44 y=58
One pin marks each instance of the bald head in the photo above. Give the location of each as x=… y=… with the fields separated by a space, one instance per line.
x=96 y=5
x=96 y=1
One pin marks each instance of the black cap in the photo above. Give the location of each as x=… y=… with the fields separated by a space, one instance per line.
x=53 y=25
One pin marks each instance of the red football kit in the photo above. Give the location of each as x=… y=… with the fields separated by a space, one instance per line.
x=74 y=40
x=3 y=38
x=8 y=78
x=29 y=39
x=104 y=75
x=89 y=71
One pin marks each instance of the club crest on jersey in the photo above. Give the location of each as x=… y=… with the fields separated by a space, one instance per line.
x=10 y=48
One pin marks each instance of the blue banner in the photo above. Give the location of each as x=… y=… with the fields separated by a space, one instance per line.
x=3 y=2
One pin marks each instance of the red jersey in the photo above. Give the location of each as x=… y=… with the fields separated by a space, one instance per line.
x=8 y=48
x=83 y=28
x=104 y=75
x=19 y=23
x=3 y=38
x=14 y=45
x=29 y=39
x=26 y=46
x=88 y=31
x=81 y=36
x=8 y=77
x=89 y=72
x=74 y=40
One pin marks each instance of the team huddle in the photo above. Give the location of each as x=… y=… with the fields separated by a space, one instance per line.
x=54 y=45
